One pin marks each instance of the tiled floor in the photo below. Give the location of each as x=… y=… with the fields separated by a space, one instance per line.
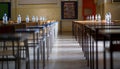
x=66 y=54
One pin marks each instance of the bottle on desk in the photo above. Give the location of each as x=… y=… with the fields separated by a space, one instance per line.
x=41 y=18
x=109 y=14
x=108 y=17
x=92 y=17
x=27 y=19
x=19 y=19
x=99 y=17
x=5 y=19
x=33 y=18
x=87 y=18
x=96 y=17
x=36 y=19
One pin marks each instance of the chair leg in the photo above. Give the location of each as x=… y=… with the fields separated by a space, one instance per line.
x=44 y=54
x=7 y=63
x=2 y=63
x=27 y=60
x=38 y=58
x=27 y=55
x=111 y=60
x=16 y=64
x=41 y=50
x=48 y=46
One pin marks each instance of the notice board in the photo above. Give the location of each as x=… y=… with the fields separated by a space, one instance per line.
x=69 y=10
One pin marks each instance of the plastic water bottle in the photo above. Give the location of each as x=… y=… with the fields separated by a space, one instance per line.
x=106 y=18
x=41 y=18
x=44 y=18
x=92 y=17
x=33 y=18
x=99 y=17
x=36 y=19
x=5 y=19
x=87 y=18
x=96 y=17
x=109 y=17
x=27 y=19
x=19 y=19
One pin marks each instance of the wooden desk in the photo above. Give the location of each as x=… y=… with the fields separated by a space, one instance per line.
x=42 y=38
x=35 y=33
x=112 y=35
x=91 y=27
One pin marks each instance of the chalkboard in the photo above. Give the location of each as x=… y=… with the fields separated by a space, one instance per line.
x=5 y=7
